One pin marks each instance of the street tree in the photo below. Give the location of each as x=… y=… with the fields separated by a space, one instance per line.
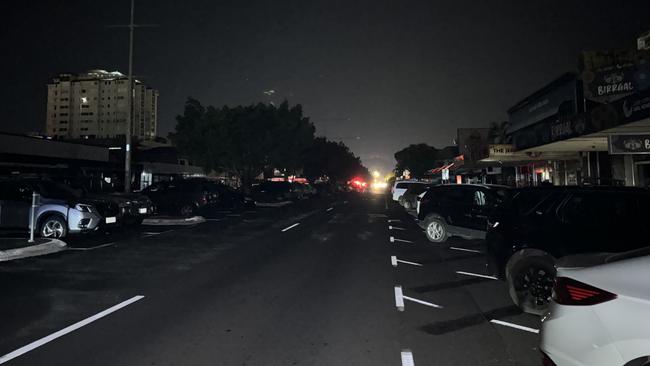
x=417 y=158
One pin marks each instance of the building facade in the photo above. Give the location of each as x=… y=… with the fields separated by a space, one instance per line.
x=95 y=105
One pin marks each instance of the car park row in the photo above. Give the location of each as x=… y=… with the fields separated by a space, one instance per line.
x=576 y=256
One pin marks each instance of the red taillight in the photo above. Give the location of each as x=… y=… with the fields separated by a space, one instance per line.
x=546 y=361
x=567 y=291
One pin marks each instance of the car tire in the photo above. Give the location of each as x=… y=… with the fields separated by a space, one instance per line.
x=187 y=210
x=407 y=204
x=435 y=229
x=530 y=282
x=53 y=226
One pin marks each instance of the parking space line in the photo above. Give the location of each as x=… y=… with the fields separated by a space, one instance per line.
x=394 y=220
x=393 y=239
x=407 y=358
x=329 y=209
x=516 y=326
x=422 y=302
x=32 y=346
x=395 y=228
x=394 y=261
x=465 y=250
x=399 y=298
x=477 y=275
x=290 y=227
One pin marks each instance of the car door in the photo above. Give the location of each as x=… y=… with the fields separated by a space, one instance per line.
x=455 y=202
x=15 y=204
x=480 y=202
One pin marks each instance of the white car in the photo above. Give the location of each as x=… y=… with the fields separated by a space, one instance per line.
x=600 y=315
x=400 y=187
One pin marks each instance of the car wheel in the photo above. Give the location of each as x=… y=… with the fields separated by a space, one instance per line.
x=187 y=210
x=436 y=230
x=407 y=204
x=401 y=201
x=53 y=226
x=530 y=283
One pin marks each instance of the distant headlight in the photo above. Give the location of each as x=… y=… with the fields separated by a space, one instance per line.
x=84 y=208
x=379 y=185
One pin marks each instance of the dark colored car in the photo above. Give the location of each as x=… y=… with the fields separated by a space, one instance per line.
x=181 y=197
x=458 y=210
x=409 y=198
x=228 y=197
x=537 y=226
x=269 y=191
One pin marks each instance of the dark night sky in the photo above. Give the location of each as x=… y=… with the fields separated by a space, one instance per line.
x=390 y=72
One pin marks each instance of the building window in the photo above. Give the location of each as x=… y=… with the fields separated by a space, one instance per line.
x=86 y=113
x=63 y=114
x=63 y=122
x=63 y=129
x=63 y=107
x=85 y=106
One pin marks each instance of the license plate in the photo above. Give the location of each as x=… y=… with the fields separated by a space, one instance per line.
x=111 y=220
x=143 y=210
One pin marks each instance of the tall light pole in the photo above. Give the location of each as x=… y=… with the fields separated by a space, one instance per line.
x=129 y=116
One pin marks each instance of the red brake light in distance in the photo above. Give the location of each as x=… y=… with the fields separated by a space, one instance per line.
x=567 y=291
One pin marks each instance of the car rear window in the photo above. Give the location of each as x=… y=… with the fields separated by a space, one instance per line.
x=403 y=185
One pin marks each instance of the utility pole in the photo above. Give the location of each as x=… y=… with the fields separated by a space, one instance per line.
x=129 y=118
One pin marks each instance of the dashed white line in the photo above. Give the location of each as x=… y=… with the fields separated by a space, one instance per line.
x=476 y=275
x=394 y=239
x=329 y=209
x=32 y=346
x=422 y=302
x=394 y=261
x=407 y=358
x=399 y=298
x=394 y=220
x=465 y=250
x=395 y=228
x=290 y=227
x=516 y=326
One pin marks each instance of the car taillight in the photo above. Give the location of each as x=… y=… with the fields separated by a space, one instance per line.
x=546 y=361
x=567 y=291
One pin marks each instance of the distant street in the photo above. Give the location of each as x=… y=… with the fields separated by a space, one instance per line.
x=307 y=284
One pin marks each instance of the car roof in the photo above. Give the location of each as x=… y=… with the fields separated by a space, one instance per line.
x=583 y=188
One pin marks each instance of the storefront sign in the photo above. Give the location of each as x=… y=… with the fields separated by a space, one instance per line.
x=500 y=150
x=608 y=75
x=629 y=144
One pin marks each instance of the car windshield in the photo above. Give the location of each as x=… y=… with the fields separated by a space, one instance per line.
x=50 y=189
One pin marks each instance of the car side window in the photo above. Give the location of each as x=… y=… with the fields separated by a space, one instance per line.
x=479 y=198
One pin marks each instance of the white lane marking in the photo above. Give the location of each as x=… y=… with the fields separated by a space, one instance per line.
x=394 y=220
x=290 y=227
x=395 y=228
x=32 y=346
x=213 y=219
x=465 y=250
x=516 y=326
x=345 y=202
x=476 y=275
x=156 y=232
x=394 y=261
x=399 y=298
x=93 y=248
x=407 y=358
x=329 y=209
x=393 y=239
x=422 y=302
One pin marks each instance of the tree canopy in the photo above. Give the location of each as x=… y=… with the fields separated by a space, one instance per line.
x=417 y=158
x=334 y=160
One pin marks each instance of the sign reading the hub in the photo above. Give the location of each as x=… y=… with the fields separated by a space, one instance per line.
x=629 y=144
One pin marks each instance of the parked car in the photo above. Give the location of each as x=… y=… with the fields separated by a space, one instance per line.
x=400 y=187
x=409 y=198
x=599 y=315
x=270 y=191
x=228 y=197
x=184 y=197
x=534 y=228
x=59 y=213
x=458 y=210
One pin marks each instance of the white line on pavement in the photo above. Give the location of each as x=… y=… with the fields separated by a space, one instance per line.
x=32 y=346
x=399 y=298
x=290 y=227
x=516 y=326
x=92 y=248
x=422 y=302
x=394 y=220
x=213 y=219
x=395 y=228
x=465 y=250
x=394 y=261
x=393 y=239
x=476 y=275
x=329 y=209
x=407 y=358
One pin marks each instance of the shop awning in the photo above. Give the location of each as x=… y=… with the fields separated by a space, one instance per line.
x=441 y=168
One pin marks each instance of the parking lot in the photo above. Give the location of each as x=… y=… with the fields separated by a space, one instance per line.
x=309 y=283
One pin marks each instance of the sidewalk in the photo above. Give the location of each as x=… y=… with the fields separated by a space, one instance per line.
x=16 y=248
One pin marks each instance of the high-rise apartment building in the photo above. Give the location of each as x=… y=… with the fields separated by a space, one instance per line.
x=94 y=105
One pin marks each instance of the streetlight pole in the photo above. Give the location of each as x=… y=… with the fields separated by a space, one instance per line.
x=129 y=118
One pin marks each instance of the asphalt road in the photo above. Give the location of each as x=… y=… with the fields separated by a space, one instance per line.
x=253 y=288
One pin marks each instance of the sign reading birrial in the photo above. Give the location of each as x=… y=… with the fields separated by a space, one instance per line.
x=609 y=75
x=629 y=143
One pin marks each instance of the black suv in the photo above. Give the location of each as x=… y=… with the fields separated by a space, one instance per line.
x=183 y=197
x=536 y=226
x=458 y=210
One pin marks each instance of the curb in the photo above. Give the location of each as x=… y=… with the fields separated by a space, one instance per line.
x=173 y=221
x=52 y=246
